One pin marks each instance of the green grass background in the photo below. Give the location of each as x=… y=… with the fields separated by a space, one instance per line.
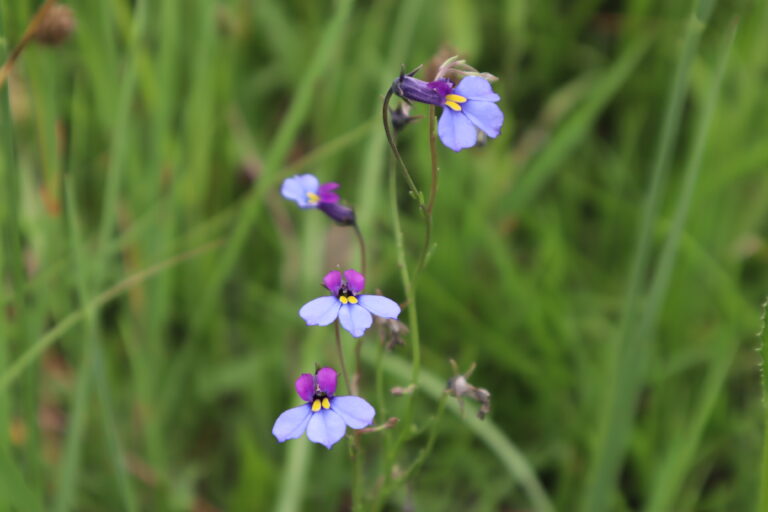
x=603 y=261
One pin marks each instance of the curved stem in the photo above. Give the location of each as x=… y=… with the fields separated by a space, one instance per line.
x=391 y=139
x=341 y=356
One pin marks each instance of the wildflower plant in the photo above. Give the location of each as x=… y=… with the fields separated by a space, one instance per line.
x=469 y=105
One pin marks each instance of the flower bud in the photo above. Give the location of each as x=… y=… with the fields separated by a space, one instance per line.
x=56 y=26
x=341 y=214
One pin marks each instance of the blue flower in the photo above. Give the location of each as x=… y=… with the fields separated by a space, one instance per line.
x=307 y=191
x=345 y=303
x=467 y=108
x=323 y=417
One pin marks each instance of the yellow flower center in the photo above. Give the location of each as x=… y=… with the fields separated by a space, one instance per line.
x=319 y=403
x=453 y=101
x=348 y=300
x=313 y=198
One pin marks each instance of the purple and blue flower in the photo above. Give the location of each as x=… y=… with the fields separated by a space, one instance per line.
x=307 y=192
x=467 y=107
x=323 y=417
x=345 y=303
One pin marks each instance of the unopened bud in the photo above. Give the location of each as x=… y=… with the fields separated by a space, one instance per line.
x=341 y=214
x=56 y=26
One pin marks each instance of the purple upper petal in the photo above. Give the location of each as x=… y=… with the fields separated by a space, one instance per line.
x=356 y=412
x=455 y=129
x=442 y=86
x=380 y=306
x=296 y=188
x=321 y=311
x=332 y=281
x=485 y=115
x=476 y=88
x=355 y=319
x=326 y=380
x=326 y=427
x=292 y=423
x=355 y=280
x=305 y=386
x=327 y=194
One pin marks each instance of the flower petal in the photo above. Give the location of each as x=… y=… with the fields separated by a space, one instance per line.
x=296 y=187
x=305 y=386
x=356 y=412
x=442 y=87
x=321 y=311
x=327 y=194
x=355 y=318
x=326 y=427
x=379 y=306
x=292 y=423
x=326 y=380
x=456 y=131
x=485 y=115
x=355 y=280
x=476 y=88
x=332 y=281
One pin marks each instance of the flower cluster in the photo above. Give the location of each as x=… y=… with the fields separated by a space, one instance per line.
x=468 y=107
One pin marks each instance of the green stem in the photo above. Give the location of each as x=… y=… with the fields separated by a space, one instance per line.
x=763 y=495
x=341 y=357
x=357 y=487
x=391 y=139
x=432 y=194
x=433 y=158
x=410 y=296
x=361 y=243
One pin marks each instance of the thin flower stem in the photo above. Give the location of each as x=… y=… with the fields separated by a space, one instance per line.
x=357 y=487
x=433 y=157
x=361 y=242
x=358 y=371
x=382 y=403
x=432 y=195
x=423 y=453
x=410 y=295
x=341 y=356
x=390 y=138
x=408 y=286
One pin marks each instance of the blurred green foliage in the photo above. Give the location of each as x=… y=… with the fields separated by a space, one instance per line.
x=163 y=126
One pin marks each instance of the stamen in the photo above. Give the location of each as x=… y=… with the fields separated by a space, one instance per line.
x=352 y=299
x=313 y=198
x=453 y=105
x=326 y=403
x=456 y=98
x=316 y=405
x=344 y=299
